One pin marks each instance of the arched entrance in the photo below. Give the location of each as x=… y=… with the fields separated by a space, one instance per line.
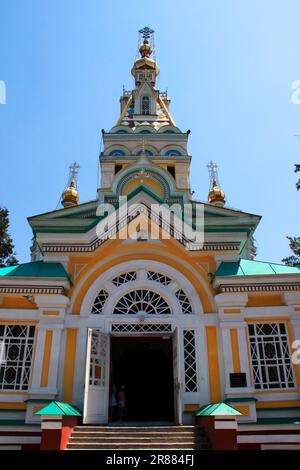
x=142 y=336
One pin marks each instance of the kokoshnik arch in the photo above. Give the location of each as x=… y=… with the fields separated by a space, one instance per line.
x=210 y=323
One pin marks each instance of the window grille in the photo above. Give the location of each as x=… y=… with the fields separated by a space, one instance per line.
x=145 y=105
x=123 y=278
x=157 y=277
x=16 y=347
x=184 y=301
x=141 y=328
x=97 y=361
x=190 y=372
x=271 y=356
x=142 y=300
x=100 y=301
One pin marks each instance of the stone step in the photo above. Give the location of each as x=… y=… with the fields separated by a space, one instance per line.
x=75 y=439
x=136 y=446
x=104 y=434
x=138 y=428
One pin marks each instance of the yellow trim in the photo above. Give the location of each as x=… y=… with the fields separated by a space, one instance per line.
x=235 y=350
x=290 y=390
x=213 y=363
x=232 y=310
x=244 y=409
x=70 y=353
x=266 y=319
x=277 y=404
x=191 y=407
x=124 y=111
x=46 y=359
x=297 y=309
x=51 y=312
x=12 y=405
x=265 y=300
x=161 y=102
x=171 y=256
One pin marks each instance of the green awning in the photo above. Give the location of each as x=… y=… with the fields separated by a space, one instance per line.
x=246 y=267
x=35 y=269
x=58 y=408
x=217 y=409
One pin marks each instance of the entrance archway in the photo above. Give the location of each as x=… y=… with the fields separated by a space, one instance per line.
x=144 y=366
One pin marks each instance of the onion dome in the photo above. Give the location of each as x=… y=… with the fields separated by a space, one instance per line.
x=70 y=195
x=145 y=49
x=216 y=195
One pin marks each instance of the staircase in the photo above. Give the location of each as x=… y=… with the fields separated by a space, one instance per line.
x=138 y=438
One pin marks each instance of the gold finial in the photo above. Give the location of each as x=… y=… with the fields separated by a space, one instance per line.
x=145 y=49
x=70 y=195
x=216 y=195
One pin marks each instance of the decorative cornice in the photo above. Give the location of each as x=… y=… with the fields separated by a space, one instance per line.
x=19 y=289
x=233 y=288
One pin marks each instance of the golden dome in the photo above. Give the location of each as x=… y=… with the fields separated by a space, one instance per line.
x=70 y=195
x=145 y=49
x=216 y=195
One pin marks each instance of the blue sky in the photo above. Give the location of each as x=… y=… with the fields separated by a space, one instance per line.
x=228 y=66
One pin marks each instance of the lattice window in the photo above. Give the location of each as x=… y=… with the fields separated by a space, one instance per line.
x=190 y=372
x=98 y=359
x=157 y=277
x=184 y=301
x=16 y=347
x=142 y=300
x=100 y=301
x=271 y=356
x=141 y=328
x=145 y=105
x=124 y=278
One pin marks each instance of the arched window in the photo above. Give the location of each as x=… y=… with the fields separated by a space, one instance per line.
x=145 y=105
x=117 y=152
x=142 y=300
x=172 y=152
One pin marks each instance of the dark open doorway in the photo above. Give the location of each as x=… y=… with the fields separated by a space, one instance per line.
x=145 y=367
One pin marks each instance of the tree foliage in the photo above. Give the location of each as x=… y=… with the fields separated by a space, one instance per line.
x=293 y=260
x=7 y=253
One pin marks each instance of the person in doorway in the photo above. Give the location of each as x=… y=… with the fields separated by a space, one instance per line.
x=113 y=402
x=122 y=402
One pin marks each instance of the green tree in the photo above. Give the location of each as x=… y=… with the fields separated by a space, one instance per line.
x=293 y=260
x=7 y=253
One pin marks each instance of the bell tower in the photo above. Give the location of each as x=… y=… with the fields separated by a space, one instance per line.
x=145 y=126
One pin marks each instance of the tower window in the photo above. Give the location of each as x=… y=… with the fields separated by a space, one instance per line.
x=118 y=168
x=171 y=170
x=145 y=105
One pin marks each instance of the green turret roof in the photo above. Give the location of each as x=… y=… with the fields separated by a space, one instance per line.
x=35 y=269
x=246 y=267
x=58 y=408
x=217 y=409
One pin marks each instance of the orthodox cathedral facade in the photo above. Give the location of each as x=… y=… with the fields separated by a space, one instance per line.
x=106 y=304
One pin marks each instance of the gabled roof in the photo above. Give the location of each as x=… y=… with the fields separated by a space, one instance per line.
x=246 y=267
x=39 y=269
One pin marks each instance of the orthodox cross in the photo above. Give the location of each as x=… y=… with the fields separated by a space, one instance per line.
x=146 y=32
x=74 y=168
x=213 y=171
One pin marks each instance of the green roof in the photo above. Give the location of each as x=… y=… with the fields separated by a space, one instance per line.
x=58 y=408
x=246 y=267
x=35 y=269
x=217 y=409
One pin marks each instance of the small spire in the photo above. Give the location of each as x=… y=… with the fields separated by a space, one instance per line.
x=70 y=195
x=216 y=195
